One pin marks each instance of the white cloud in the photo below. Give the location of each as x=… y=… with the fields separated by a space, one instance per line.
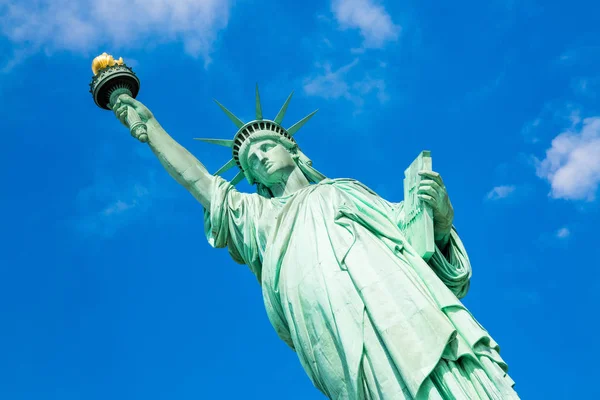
x=372 y=20
x=500 y=192
x=572 y=163
x=337 y=84
x=83 y=26
x=563 y=233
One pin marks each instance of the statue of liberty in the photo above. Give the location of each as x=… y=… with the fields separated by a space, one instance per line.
x=368 y=316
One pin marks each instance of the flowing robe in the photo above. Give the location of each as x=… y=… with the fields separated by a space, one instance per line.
x=367 y=317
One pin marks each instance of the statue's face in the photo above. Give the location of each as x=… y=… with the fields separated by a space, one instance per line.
x=270 y=162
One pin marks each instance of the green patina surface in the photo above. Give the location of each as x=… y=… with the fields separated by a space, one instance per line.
x=366 y=291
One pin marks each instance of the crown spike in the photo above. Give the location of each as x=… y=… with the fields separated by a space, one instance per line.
x=220 y=142
x=259 y=115
x=294 y=128
x=238 y=122
x=283 y=110
x=230 y=164
x=238 y=178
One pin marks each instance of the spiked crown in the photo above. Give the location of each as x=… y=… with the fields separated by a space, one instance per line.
x=257 y=129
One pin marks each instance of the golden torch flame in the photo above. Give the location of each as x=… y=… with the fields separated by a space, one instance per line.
x=104 y=60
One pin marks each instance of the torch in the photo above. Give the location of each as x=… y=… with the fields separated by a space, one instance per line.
x=112 y=78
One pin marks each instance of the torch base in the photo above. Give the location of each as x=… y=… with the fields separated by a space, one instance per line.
x=111 y=79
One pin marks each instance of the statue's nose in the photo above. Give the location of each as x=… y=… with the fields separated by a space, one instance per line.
x=261 y=157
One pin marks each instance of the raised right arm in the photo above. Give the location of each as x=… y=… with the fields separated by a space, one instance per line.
x=179 y=163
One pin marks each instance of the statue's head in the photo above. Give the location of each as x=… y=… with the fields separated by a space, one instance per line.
x=269 y=162
x=268 y=158
x=265 y=151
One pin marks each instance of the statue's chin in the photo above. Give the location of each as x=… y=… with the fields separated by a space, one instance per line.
x=274 y=175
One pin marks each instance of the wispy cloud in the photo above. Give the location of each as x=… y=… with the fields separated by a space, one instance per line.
x=523 y=297
x=330 y=84
x=563 y=233
x=572 y=163
x=554 y=115
x=116 y=198
x=500 y=192
x=586 y=86
x=371 y=19
x=108 y=205
x=355 y=81
x=529 y=131
x=78 y=26
x=579 y=56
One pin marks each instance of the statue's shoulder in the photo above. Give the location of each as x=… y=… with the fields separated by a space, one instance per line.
x=347 y=182
x=333 y=181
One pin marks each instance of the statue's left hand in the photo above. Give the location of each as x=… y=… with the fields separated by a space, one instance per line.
x=433 y=192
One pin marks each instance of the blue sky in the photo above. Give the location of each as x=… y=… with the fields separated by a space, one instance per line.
x=108 y=288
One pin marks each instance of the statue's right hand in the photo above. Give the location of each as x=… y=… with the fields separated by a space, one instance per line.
x=120 y=109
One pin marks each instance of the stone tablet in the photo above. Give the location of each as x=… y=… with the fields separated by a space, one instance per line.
x=418 y=220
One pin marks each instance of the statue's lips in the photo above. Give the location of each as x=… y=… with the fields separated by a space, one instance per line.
x=264 y=163
x=267 y=167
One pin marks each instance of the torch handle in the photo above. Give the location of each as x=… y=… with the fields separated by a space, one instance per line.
x=137 y=128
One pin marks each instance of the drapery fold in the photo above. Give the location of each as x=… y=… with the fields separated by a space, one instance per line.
x=339 y=278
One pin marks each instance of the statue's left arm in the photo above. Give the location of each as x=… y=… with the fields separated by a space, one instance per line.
x=450 y=260
x=451 y=264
